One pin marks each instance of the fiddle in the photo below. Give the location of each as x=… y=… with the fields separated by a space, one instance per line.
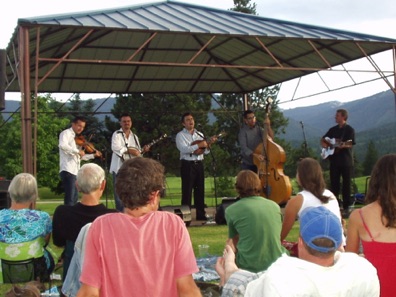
x=87 y=146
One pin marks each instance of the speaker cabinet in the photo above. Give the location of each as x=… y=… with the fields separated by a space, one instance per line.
x=4 y=199
x=220 y=211
x=183 y=211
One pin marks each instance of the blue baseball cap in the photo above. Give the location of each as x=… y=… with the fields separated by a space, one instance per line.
x=319 y=222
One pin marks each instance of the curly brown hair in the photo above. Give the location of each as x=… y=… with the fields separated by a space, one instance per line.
x=382 y=188
x=137 y=179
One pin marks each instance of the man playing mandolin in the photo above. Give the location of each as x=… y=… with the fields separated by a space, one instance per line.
x=125 y=145
x=341 y=161
x=192 y=146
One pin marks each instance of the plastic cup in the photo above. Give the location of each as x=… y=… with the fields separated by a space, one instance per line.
x=203 y=250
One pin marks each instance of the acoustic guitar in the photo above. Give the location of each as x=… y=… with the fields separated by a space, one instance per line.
x=213 y=139
x=334 y=145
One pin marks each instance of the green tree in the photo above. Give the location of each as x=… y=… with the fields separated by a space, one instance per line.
x=48 y=128
x=244 y=6
x=370 y=158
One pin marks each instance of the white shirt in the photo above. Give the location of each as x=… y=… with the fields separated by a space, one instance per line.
x=69 y=159
x=350 y=276
x=310 y=200
x=119 y=146
x=183 y=143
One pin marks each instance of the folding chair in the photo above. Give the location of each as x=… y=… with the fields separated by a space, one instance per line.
x=18 y=261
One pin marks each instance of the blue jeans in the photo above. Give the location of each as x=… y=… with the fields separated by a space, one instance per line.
x=118 y=202
x=69 y=185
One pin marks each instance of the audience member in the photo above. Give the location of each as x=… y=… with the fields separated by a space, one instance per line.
x=21 y=223
x=141 y=252
x=254 y=225
x=320 y=270
x=69 y=219
x=374 y=225
x=314 y=193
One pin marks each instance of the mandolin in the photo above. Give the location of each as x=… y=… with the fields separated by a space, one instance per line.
x=213 y=139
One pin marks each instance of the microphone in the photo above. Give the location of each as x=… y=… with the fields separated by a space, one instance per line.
x=301 y=123
x=199 y=125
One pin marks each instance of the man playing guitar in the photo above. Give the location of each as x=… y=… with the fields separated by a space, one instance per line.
x=125 y=145
x=341 y=162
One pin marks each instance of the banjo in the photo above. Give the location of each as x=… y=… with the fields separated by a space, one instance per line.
x=133 y=151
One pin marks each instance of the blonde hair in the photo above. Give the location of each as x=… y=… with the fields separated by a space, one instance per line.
x=23 y=188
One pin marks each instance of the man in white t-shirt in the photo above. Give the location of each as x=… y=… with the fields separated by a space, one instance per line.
x=320 y=270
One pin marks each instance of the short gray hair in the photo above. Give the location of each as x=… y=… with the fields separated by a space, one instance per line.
x=90 y=177
x=23 y=188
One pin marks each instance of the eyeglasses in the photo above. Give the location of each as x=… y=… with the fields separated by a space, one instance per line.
x=251 y=118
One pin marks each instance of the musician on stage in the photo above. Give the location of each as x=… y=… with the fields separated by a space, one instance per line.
x=192 y=168
x=249 y=137
x=70 y=156
x=341 y=162
x=125 y=145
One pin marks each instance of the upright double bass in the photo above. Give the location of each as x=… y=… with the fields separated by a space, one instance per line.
x=276 y=185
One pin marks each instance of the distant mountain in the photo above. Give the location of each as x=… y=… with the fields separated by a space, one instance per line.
x=373 y=118
x=364 y=114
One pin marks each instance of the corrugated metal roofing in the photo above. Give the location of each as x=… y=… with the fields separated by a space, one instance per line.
x=176 y=47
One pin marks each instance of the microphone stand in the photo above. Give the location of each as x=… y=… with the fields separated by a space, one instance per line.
x=106 y=170
x=213 y=169
x=305 y=145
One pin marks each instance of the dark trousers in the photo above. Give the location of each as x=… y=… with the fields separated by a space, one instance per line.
x=336 y=172
x=69 y=185
x=193 y=179
x=249 y=167
x=118 y=203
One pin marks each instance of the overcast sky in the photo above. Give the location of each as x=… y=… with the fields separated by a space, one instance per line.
x=363 y=16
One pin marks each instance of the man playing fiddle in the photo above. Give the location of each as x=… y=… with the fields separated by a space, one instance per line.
x=125 y=145
x=70 y=156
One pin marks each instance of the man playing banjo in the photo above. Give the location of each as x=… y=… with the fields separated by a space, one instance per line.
x=125 y=145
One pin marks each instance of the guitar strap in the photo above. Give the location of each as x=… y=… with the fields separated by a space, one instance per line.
x=126 y=145
x=136 y=141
